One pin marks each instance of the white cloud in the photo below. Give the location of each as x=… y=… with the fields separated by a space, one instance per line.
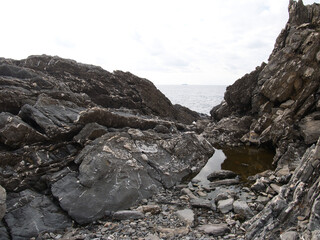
x=195 y=42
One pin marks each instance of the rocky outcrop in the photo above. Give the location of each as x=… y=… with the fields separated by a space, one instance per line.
x=118 y=169
x=282 y=102
x=296 y=207
x=282 y=96
x=78 y=143
x=84 y=85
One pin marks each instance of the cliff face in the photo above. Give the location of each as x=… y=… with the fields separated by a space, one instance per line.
x=280 y=104
x=282 y=96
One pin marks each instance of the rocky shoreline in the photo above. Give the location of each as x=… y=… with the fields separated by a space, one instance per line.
x=89 y=154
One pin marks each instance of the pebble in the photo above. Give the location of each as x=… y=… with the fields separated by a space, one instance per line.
x=225 y=205
x=186 y=216
x=177 y=213
x=215 y=229
x=202 y=203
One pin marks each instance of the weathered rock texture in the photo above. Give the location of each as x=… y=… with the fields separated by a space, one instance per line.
x=78 y=142
x=280 y=101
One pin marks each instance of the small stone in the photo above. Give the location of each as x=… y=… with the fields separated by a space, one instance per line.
x=201 y=193
x=215 y=229
x=258 y=186
x=221 y=196
x=315 y=235
x=221 y=174
x=290 y=235
x=127 y=214
x=263 y=200
x=188 y=193
x=153 y=209
x=284 y=171
x=309 y=72
x=3 y=197
x=259 y=207
x=170 y=232
x=224 y=182
x=225 y=205
x=242 y=208
x=202 y=203
x=287 y=104
x=186 y=215
x=318 y=56
x=152 y=237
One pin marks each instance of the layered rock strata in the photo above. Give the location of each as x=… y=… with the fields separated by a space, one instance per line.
x=277 y=105
x=78 y=142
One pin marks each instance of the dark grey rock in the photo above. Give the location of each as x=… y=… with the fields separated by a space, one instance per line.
x=14 y=132
x=202 y=203
x=215 y=229
x=259 y=186
x=4 y=235
x=242 y=208
x=127 y=214
x=128 y=166
x=29 y=214
x=3 y=205
x=90 y=132
x=310 y=128
x=53 y=117
x=224 y=182
x=221 y=174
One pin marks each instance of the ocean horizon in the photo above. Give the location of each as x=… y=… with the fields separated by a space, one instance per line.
x=199 y=98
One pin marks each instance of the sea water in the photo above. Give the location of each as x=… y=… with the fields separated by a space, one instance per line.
x=245 y=161
x=199 y=98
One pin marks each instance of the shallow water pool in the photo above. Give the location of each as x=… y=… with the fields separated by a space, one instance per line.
x=245 y=161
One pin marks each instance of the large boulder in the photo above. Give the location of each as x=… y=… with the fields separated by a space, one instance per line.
x=120 y=168
x=30 y=213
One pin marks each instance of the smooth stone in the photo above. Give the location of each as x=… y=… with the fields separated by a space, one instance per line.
x=263 y=200
x=221 y=174
x=275 y=187
x=186 y=215
x=188 y=192
x=242 y=208
x=290 y=235
x=127 y=214
x=202 y=203
x=152 y=237
x=224 y=182
x=3 y=206
x=153 y=209
x=225 y=205
x=221 y=196
x=215 y=229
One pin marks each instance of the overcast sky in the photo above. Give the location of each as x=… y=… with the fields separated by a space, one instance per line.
x=165 y=41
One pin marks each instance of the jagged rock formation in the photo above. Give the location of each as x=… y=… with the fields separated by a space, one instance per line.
x=281 y=97
x=280 y=104
x=78 y=142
